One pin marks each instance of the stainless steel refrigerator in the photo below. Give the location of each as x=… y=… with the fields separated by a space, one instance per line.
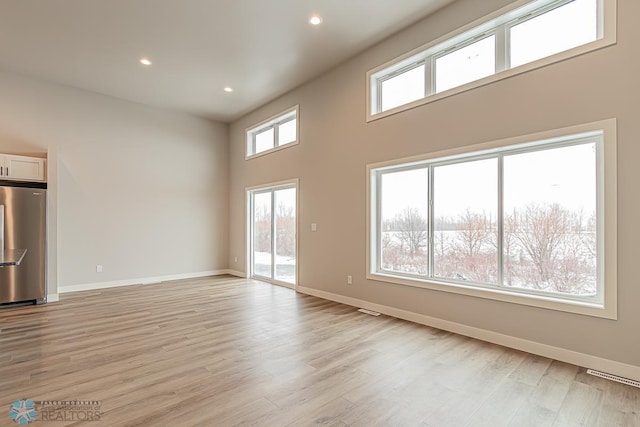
x=23 y=228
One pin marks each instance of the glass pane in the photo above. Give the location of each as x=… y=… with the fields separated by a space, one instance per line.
x=467 y=64
x=262 y=234
x=560 y=29
x=285 y=216
x=404 y=201
x=403 y=88
x=264 y=141
x=287 y=132
x=550 y=220
x=465 y=213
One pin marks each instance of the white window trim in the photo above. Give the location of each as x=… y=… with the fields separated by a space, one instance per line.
x=607 y=193
x=485 y=25
x=251 y=131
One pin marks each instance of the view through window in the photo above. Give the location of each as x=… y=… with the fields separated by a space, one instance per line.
x=523 y=219
x=273 y=233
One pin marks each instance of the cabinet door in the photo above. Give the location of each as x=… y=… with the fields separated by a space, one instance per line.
x=23 y=168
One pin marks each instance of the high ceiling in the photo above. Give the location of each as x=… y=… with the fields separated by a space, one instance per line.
x=260 y=48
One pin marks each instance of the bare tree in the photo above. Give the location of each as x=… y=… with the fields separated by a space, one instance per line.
x=445 y=263
x=411 y=227
x=474 y=231
x=546 y=247
x=262 y=229
x=442 y=242
x=541 y=230
x=589 y=241
x=285 y=230
x=509 y=226
x=474 y=253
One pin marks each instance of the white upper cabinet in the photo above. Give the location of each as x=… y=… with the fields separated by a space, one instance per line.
x=22 y=168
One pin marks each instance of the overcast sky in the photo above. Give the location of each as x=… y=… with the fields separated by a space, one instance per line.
x=563 y=175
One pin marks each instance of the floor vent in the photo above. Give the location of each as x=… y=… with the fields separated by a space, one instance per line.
x=614 y=378
x=371 y=312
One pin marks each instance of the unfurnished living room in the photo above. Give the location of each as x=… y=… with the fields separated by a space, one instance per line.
x=292 y=213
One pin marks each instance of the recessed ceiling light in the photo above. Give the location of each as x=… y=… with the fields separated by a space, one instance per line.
x=315 y=20
x=228 y=89
x=145 y=61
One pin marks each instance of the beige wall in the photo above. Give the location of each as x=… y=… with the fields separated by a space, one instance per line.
x=337 y=144
x=139 y=190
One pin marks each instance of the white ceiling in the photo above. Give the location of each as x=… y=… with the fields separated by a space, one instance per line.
x=262 y=48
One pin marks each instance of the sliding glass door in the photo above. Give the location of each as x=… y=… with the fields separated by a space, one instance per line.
x=262 y=235
x=272 y=226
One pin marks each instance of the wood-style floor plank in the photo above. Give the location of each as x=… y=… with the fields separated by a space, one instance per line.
x=223 y=351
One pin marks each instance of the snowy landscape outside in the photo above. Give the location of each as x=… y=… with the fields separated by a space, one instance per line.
x=549 y=221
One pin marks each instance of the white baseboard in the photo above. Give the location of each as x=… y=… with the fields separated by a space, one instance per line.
x=557 y=353
x=53 y=298
x=139 y=281
x=236 y=273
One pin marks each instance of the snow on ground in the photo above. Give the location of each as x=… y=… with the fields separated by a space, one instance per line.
x=285 y=266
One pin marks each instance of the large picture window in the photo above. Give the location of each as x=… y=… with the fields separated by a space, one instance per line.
x=523 y=219
x=515 y=39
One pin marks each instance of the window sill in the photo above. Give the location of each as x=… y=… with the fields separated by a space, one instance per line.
x=272 y=150
x=606 y=311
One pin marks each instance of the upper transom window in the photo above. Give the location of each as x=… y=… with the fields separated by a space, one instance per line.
x=516 y=39
x=274 y=133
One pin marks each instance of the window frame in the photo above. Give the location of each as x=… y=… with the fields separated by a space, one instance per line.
x=396 y=73
x=441 y=54
x=498 y=23
x=606 y=217
x=273 y=122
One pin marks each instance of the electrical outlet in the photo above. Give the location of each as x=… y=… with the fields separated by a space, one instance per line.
x=99 y=268
x=349 y=280
x=314 y=227
x=235 y=259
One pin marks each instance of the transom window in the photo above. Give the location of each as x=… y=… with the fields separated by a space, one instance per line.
x=273 y=134
x=523 y=219
x=515 y=39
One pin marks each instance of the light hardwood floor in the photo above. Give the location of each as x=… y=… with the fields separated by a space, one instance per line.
x=225 y=351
